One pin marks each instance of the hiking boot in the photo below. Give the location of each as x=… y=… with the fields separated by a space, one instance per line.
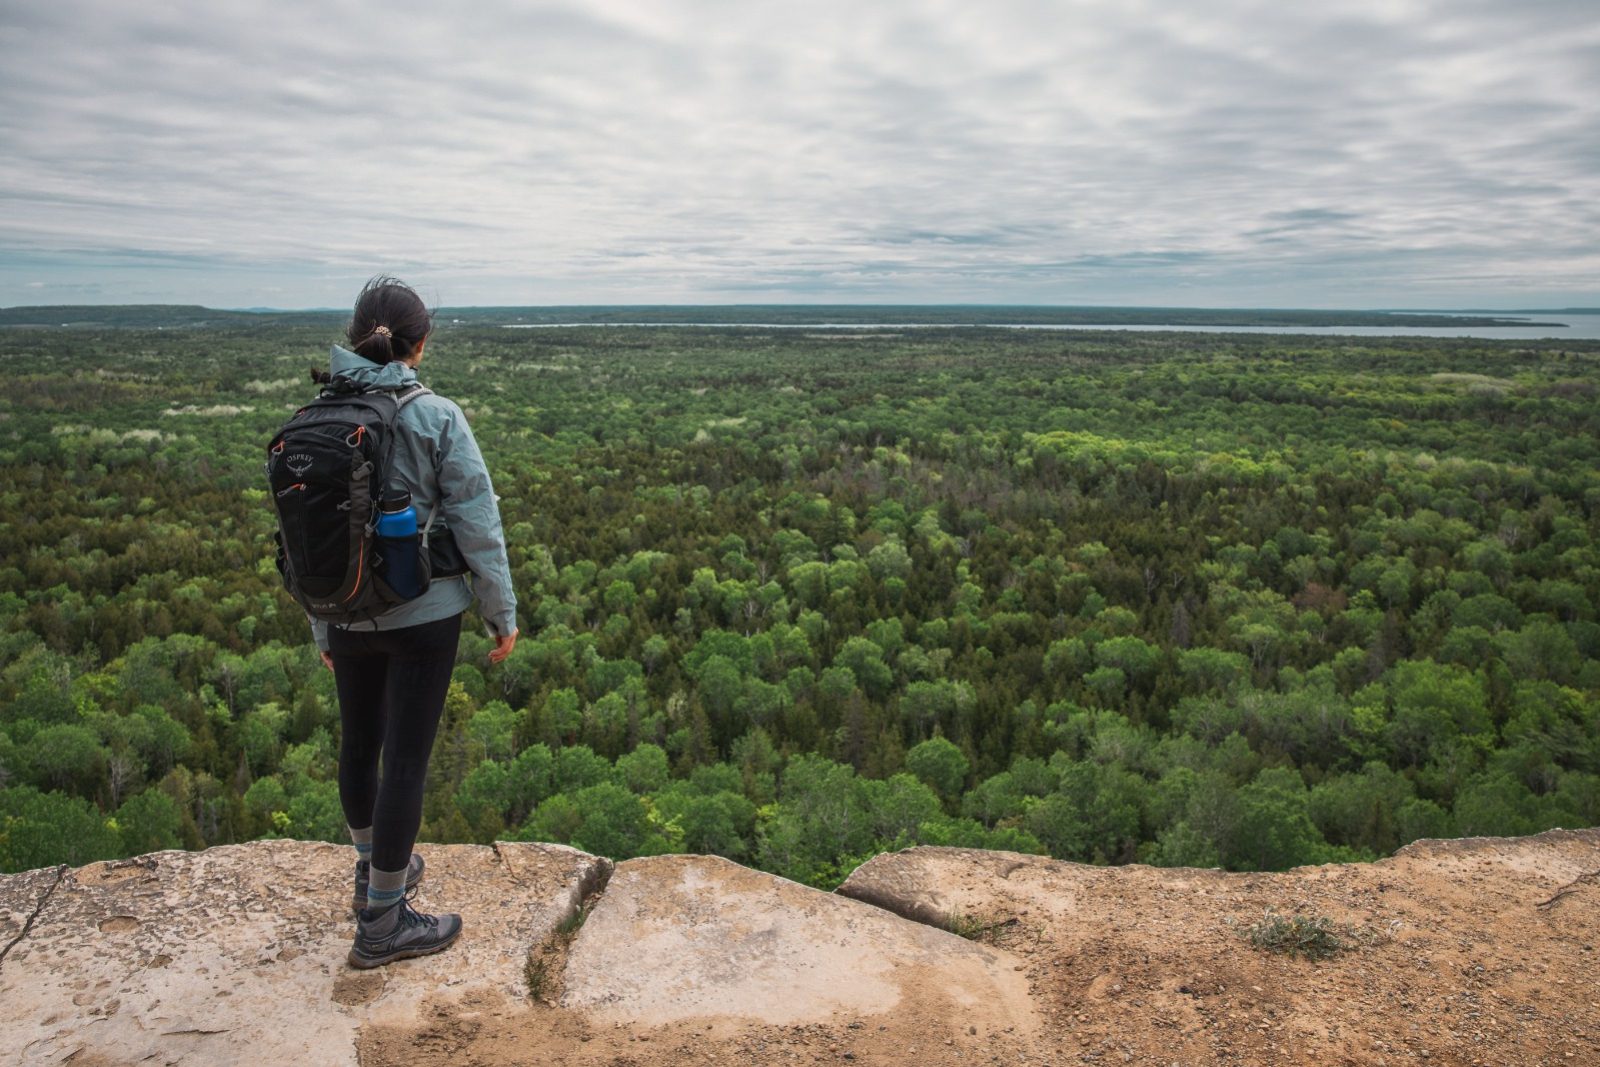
x=364 y=875
x=399 y=933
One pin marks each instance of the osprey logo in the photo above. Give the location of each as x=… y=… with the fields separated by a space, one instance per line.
x=298 y=463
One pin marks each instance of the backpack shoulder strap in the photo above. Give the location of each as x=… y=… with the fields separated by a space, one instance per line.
x=401 y=399
x=406 y=397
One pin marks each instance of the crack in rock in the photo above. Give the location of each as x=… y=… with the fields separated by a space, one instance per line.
x=544 y=971
x=1590 y=877
x=199 y=1033
x=61 y=874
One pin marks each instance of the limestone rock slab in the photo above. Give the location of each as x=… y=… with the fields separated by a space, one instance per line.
x=681 y=937
x=941 y=886
x=237 y=954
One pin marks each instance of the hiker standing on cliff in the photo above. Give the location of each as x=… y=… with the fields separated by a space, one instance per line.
x=393 y=671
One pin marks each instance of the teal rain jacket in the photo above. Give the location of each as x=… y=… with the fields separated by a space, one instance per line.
x=437 y=461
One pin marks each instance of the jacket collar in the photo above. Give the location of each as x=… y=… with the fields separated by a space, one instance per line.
x=346 y=364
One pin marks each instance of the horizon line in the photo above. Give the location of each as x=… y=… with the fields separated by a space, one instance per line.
x=266 y=309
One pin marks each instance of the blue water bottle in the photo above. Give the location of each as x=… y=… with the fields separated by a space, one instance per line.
x=397 y=544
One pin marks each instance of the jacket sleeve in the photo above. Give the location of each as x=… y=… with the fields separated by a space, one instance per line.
x=468 y=502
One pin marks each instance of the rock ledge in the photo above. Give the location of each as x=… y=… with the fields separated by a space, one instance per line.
x=1476 y=951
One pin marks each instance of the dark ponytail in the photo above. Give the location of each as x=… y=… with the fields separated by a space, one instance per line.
x=389 y=322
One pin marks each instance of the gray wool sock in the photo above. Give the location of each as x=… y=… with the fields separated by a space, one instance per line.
x=379 y=923
x=385 y=888
x=362 y=839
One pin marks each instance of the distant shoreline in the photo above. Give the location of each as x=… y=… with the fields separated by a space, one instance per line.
x=823 y=316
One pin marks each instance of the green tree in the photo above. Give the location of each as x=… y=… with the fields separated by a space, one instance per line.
x=865 y=660
x=1275 y=830
x=1433 y=704
x=1110 y=802
x=940 y=764
x=148 y=822
x=492 y=729
x=818 y=822
x=896 y=808
x=259 y=736
x=577 y=766
x=65 y=757
x=716 y=823
x=644 y=770
x=483 y=799
x=605 y=819
x=1207 y=830
x=315 y=813
x=1362 y=810
x=1540 y=650
x=1059 y=826
x=41 y=829
x=996 y=797
x=1211 y=668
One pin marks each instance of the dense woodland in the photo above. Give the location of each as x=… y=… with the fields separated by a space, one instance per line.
x=796 y=597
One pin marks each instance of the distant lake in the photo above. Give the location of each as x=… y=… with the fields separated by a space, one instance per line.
x=1540 y=327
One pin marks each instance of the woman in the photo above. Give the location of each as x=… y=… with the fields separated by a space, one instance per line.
x=392 y=673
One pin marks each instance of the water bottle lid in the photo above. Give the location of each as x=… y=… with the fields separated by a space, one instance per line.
x=395 y=502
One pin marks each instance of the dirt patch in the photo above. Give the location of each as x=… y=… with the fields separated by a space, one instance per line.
x=114 y=871
x=352 y=988
x=925 y=1029
x=1449 y=955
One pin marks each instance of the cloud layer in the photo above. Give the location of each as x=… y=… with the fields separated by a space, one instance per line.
x=1391 y=153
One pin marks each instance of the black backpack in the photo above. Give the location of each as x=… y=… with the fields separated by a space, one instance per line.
x=328 y=468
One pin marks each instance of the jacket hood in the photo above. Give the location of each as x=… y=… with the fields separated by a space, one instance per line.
x=346 y=364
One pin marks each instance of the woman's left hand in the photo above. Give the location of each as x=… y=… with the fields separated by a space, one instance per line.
x=502 y=647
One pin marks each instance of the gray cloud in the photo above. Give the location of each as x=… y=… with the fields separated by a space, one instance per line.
x=1227 y=152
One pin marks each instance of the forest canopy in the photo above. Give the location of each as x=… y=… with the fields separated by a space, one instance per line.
x=798 y=596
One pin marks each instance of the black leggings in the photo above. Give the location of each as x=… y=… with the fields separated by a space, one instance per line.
x=391 y=685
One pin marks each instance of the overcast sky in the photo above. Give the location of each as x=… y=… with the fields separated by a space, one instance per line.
x=1441 y=153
